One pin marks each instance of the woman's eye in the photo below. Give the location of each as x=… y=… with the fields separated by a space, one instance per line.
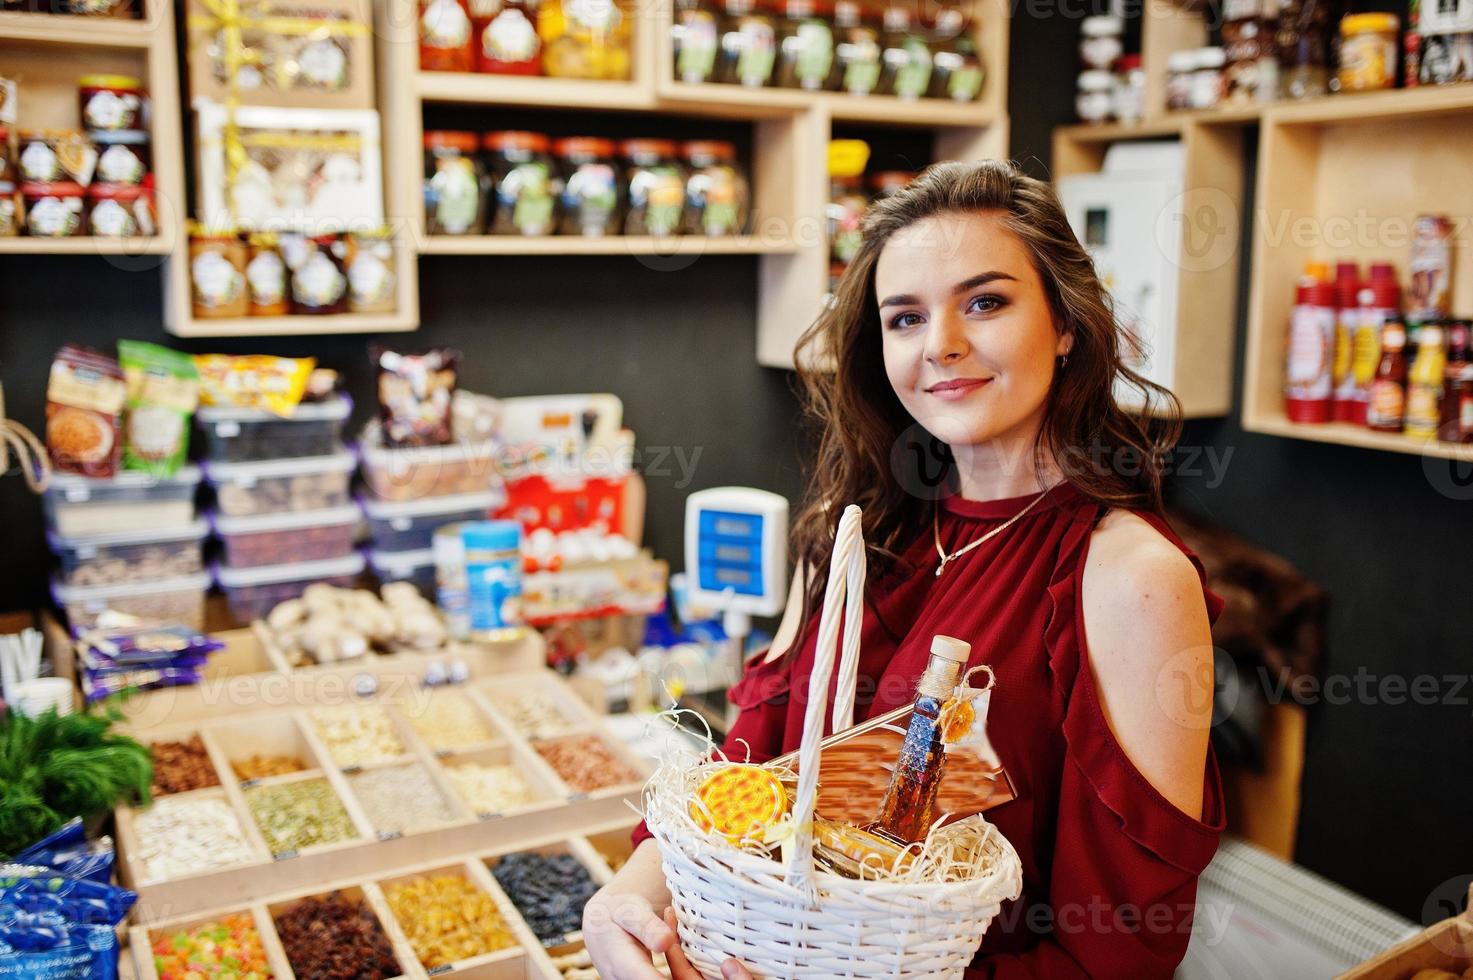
x=984 y=304
x=901 y=321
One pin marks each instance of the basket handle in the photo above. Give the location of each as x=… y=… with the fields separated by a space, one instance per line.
x=845 y=588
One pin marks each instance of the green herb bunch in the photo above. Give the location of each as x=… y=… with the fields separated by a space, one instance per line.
x=53 y=768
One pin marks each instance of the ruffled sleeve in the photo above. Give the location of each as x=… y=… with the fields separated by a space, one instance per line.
x=762 y=697
x=1125 y=860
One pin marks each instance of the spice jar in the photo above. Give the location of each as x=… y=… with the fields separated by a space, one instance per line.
x=748 y=48
x=1100 y=43
x=266 y=276
x=1095 y=96
x=694 y=35
x=51 y=155
x=590 y=187
x=217 y=261
x=319 y=283
x=1368 y=52
x=111 y=102
x=371 y=278
x=957 y=73
x=445 y=36
x=805 y=46
x=717 y=198
x=505 y=37
x=120 y=211
x=905 y=63
x=656 y=187
x=856 y=50
x=1129 y=103
x=53 y=210
x=453 y=189
x=519 y=175
x=1207 y=78
x=1179 y=68
x=122 y=156
x=585 y=39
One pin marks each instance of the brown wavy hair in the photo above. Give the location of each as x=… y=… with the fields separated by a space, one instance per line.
x=872 y=453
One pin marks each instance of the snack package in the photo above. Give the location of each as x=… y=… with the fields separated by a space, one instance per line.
x=57 y=926
x=68 y=851
x=163 y=392
x=415 y=395
x=84 y=406
x=253 y=381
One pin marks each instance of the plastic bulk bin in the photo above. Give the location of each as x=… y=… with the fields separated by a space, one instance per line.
x=178 y=600
x=128 y=556
x=77 y=506
x=282 y=485
x=254 y=592
x=281 y=539
x=238 y=435
x=410 y=525
x=415 y=567
x=415 y=472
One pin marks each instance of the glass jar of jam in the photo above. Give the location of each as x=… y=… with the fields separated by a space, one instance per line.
x=120 y=211
x=694 y=34
x=590 y=187
x=585 y=39
x=454 y=192
x=53 y=210
x=957 y=71
x=520 y=181
x=856 y=67
x=717 y=197
x=748 y=45
x=112 y=102
x=266 y=276
x=122 y=156
x=52 y=155
x=371 y=277
x=506 y=40
x=217 y=262
x=319 y=283
x=805 y=45
x=445 y=36
x=906 y=60
x=656 y=183
x=844 y=214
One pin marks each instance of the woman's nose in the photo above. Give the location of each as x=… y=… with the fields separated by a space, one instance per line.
x=946 y=340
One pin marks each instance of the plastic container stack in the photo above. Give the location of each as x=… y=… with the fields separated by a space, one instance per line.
x=132 y=543
x=283 y=511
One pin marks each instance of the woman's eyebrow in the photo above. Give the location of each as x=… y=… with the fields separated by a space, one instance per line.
x=982 y=279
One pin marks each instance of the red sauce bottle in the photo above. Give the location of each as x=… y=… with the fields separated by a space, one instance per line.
x=1387 y=409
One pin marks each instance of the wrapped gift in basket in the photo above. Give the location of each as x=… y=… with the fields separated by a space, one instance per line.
x=747 y=880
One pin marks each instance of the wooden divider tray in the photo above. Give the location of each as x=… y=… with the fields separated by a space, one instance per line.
x=528 y=959
x=395 y=730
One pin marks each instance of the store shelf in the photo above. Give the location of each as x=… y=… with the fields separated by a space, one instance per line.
x=1369 y=107
x=567 y=93
x=613 y=245
x=886 y=110
x=296 y=326
x=158 y=245
x=74 y=31
x=1341 y=434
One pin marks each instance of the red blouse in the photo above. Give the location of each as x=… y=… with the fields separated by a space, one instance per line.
x=1110 y=866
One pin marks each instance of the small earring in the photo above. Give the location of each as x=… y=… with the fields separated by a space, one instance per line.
x=1063 y=361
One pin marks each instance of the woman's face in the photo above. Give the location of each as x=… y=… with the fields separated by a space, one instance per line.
x=969 y=339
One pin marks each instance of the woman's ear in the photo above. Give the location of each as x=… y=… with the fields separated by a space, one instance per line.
x=1065 y=344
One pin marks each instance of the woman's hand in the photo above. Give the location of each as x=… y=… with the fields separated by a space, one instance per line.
x=680 y=968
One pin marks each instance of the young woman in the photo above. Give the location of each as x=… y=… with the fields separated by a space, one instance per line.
x=1009 y=501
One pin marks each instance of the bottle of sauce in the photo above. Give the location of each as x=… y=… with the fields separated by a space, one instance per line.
x=445 y=36
x=748 y=45
x=856 y=50
x=1450 y=427
x=909 y=806
x=1387 y=406
x=906 y=59
x=1347 y=316
x=1379 y=300
x=1424 y=385
x=1311 y=345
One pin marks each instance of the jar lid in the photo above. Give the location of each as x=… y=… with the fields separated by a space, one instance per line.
x=60 y=188
x=492 y=535
x=516 y=139
x=1373 y=23
x=450 y=139
x=263 y=239
x=891 y=179
x=593 y=146
x=1211 y=58
x=1102 y=25
x=719 y=149
x=647 y=147
x=132 y=137
x=109 y=81
x=119 y=192
x=200 y=230
x=739 y=7
x=798 y=8
x=1096 y=80
x=1128 y=62
x=1181 y=61
x=848 y=13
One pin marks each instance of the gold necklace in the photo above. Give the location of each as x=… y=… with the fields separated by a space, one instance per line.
x=948 y=559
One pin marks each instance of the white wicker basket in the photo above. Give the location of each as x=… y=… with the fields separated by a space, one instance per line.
x=795 y=921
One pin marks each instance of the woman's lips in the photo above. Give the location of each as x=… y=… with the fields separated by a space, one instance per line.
x=957 y=388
